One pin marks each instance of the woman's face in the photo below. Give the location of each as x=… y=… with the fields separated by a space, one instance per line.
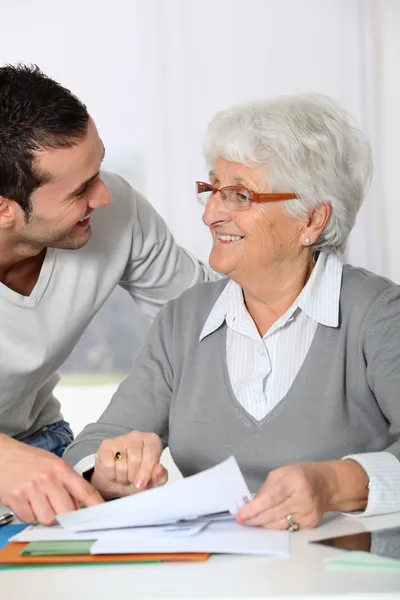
x=260 y=238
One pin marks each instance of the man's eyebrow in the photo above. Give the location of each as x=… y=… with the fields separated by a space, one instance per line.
x=83 y=185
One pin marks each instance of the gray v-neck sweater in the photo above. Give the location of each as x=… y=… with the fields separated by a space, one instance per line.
x=344 y=400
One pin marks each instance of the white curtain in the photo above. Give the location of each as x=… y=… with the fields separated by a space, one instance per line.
x=153 y=72
x=208 y=55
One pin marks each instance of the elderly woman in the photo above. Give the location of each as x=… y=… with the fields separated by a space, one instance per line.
x=292 y=363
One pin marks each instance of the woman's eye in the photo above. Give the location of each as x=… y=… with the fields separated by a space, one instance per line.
x=241 y=197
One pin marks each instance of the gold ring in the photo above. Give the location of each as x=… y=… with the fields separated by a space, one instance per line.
x=119 y=455
x=292 y=524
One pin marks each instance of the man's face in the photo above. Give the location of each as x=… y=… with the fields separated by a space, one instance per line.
x=61 y=207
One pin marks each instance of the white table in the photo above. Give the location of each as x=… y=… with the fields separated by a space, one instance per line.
x=302 y=575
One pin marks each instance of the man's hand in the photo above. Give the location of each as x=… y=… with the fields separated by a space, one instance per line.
x=306 y=491
x=136 y=470
x=37 y=485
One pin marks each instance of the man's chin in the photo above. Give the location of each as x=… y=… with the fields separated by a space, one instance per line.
x=72 y=241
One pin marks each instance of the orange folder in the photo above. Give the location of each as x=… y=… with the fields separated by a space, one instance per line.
x=10 y=555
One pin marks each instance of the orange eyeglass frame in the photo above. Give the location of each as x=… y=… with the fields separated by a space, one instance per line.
x=255 y=197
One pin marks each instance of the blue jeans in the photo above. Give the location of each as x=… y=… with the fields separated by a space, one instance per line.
x=54 y=438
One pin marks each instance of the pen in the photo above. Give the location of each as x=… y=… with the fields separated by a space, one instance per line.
x=6 y=518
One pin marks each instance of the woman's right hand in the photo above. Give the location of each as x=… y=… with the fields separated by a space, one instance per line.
x=138 y=469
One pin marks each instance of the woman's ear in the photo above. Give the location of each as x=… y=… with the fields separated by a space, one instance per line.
x=317 y=221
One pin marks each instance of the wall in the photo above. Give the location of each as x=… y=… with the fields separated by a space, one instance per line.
x=207 y=55
x=386 y=27
x=153 y=72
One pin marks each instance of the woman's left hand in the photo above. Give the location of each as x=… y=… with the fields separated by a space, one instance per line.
x=306 y=491
x=303 y=491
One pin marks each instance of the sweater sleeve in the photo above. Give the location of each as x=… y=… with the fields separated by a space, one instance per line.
x=158 y=269
x=383 y=470
x=142 y=401
x=382 y=353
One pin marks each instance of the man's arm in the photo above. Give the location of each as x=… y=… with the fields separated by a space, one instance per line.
x=37 y=485
x=158 y=269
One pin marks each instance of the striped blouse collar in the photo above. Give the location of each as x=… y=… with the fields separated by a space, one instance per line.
x=319 y=298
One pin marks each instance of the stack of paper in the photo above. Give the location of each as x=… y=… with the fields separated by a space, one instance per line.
x=193 y=516
x=221 y=489
x=226 y=537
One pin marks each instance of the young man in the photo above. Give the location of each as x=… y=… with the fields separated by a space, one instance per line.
x=69 y=234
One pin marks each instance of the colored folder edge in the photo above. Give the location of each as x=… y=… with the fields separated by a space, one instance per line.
x=10 y=555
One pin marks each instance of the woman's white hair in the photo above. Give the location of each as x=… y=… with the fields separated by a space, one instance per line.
x=308 y=146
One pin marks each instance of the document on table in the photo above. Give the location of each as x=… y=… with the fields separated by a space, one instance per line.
x=193 y=515
x=56 y=533
x=52 y=533
x=226 y=537
x=219 y=489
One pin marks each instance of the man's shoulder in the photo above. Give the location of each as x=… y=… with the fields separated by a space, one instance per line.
x=124 y=199
x=125 y=213
x=128 y=208
x=112 y=226
x=119 y=187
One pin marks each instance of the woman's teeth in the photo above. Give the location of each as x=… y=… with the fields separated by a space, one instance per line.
x=228 y=238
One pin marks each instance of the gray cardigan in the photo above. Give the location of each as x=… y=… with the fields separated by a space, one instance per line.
x=344 y=400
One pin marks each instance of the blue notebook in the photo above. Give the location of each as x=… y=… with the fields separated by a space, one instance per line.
x=8 y=531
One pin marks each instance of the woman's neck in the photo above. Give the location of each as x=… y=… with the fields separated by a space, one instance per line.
x=268 y=296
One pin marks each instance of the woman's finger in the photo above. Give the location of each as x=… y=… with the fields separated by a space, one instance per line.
x=271 y=515
x=282 y=524
x=134 y=456
x=105 y=461
x=159 y=476
x=121 y=468
x=152 y=449
x=266 y=500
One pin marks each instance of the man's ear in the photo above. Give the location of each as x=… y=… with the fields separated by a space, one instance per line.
x=7 y=212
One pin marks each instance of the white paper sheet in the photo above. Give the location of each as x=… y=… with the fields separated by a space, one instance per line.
x=219 y=489
x=226 y=537
x=55 y=533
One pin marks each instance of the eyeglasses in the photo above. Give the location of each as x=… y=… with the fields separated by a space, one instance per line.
x=237 y=197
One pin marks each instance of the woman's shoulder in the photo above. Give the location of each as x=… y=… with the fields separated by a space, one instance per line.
x=204 y=294
x=197 y=300
x=186 y=315
x=359 y=276
x=361 y=287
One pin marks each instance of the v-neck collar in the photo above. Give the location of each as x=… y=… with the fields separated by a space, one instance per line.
x=34 y=298
x=298 y=381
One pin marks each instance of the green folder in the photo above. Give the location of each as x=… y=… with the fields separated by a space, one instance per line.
x=58 y=548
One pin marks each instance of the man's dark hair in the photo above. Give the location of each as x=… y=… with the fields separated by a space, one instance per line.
x=36 y=113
